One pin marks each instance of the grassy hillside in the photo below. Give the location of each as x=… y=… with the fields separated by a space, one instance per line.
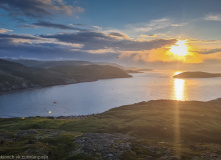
x=8 y=81
x=93 y=72
x=160 y=129
x=18 y=76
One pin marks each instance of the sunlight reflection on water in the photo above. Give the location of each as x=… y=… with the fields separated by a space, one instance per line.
x=179 y=88
x=179 y=85
x=102 y=95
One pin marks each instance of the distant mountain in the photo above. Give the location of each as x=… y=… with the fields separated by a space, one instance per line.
x=15 y=76
x=49 y=64
x=110 y=64
x=197 y=75
x=53 y=63
x=136 y=70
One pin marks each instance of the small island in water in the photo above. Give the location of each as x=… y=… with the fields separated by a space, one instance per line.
x=197 y=75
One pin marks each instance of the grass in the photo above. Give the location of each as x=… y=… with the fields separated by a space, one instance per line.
x=197 y=121
x=178 y=125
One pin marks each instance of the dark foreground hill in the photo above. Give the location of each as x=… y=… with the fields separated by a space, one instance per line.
x=15 y=76
x=154 y=130
x=197 y=75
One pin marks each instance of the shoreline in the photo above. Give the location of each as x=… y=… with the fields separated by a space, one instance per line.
x=40 y=87
x=71 y=117
x=56 y=117
x=216 y=101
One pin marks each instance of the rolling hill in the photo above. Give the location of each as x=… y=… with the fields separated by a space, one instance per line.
x=17 y=76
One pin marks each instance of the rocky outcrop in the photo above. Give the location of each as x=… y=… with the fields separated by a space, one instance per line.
x=104 y=145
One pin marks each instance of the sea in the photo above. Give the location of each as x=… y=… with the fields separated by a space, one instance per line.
x=102 y=95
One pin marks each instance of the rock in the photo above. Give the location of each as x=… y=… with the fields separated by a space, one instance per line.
x=149 y=158
x=106 y=146
x=25 y=132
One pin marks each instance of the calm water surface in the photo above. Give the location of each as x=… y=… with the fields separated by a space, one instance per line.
x=102 y=95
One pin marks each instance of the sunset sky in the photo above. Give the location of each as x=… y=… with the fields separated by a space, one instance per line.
x=152 y=33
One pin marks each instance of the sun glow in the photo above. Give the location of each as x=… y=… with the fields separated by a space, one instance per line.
x=179 y=48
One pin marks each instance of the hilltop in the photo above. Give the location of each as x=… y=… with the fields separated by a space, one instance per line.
x=159 y=129
x=16 y=76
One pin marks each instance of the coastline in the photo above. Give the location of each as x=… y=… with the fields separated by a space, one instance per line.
x=216 y=101
x=39 y=87
x=164 y=129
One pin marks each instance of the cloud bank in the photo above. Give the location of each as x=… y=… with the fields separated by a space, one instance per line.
x=79 y=44
x=98 y=40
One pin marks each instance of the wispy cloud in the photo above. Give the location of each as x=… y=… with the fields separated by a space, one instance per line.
x=212 y=17
x=18 y=36
x=118 y=35
x=155 y=25
x=3 y=30
x=56 y=26
x=147 y=36
x=211 y=51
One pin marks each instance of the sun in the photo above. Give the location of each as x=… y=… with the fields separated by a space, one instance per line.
x=179 y=48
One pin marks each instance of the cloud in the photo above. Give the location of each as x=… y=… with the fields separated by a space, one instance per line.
x=56 y=26
x=78 y=24
x=211 y=51
x=147 y=36
x=84 y=45
x=97 y=40
x=118 y=35
x=178 y=24
x=161 y=55
x=203 y=41
x=37 y=9
x=28 y=26
x=18 y=36
x=92 y=45
x=86 y=26
x=3 y=30
x=155 y=25
x=213 y=17
x=97 y=27
x=11 y=49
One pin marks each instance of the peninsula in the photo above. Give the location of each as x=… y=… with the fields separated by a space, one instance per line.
x=15 y=76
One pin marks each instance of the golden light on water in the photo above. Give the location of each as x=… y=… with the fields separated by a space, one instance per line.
x=180 y=48
x=178 y=87
x=179 y=95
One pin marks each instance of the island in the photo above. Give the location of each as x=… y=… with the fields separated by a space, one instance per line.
x=158 y=130
x=197 y=75
x=15 y=76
